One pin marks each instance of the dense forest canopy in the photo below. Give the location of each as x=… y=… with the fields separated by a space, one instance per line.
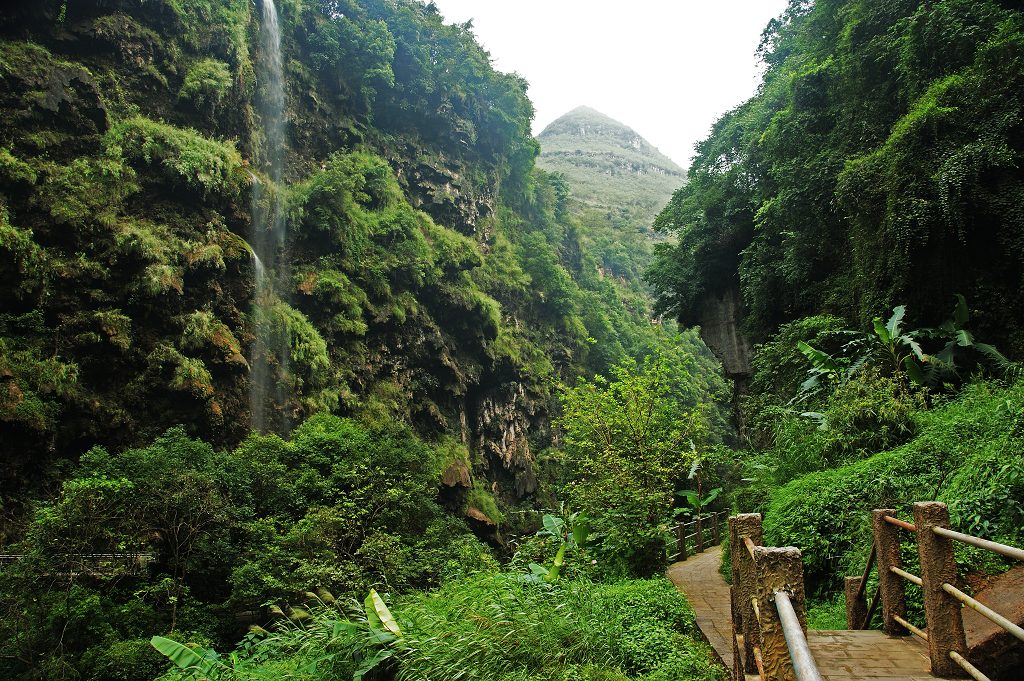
x=878 y=164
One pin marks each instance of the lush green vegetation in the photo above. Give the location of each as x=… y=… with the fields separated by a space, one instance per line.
x=869 y=187
x=442 y=302
x=878 y=165
x=490 y=626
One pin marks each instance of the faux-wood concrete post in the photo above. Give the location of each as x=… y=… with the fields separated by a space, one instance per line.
x=778 y=569
x=700 y=534
x=943 y=612
x=856 y=607
x=744 y=583
x=681 y=541
x=716 y=533
x=887 y=555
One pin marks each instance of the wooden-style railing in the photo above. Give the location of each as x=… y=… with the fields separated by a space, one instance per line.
x=76 y=564
x=943 y=596
x=701 y=532
x=769 y=618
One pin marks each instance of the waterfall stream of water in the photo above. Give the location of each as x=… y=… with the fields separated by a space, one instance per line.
x=269 y=357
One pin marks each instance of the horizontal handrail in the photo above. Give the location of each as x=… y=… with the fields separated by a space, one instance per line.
x=1002 y=549
x=984 y=610
x=913 y=579
x=803 y=662
x=909 y=527
x=973 y=671
x=911 y=628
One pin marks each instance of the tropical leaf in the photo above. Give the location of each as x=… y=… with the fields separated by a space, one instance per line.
x=712 y=495
x=580 y=531
x=882 y=331
x=377 y=613
x=186 y=658
x=895 y=322
x=371 y=663
x=691 y=497
x=538 y=570
x=914 y=371
x=817 y=417
x=553 y=524
x=822 y=361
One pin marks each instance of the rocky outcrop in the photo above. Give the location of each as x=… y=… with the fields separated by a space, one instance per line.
x=720 y=317
x=503 y=423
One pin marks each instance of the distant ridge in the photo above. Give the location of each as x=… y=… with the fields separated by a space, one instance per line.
x=609 y=165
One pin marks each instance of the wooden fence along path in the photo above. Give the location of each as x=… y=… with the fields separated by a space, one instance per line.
x=758 y=625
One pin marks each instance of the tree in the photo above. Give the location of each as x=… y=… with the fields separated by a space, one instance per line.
x=628 y=441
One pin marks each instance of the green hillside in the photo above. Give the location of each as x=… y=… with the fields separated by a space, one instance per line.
x=618 y=180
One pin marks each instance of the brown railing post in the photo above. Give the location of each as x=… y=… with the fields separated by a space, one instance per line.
x=681 y=541
x=778 y=569
x=942 y=611
x=744 y=622
x=887 y=553
x=700 y=534
x=716 y=533
x=856 y=604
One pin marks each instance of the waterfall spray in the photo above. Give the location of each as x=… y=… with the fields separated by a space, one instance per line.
x=268 y=233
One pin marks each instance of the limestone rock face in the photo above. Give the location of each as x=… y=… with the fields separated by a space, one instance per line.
x=720 y=318
x=503 y=423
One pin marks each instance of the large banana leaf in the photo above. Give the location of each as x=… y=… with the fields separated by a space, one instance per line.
x=377 y=614
x=183 y=656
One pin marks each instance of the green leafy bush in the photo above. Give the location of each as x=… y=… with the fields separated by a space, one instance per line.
x=184 y=155
x=962 y=442
x=206 y=83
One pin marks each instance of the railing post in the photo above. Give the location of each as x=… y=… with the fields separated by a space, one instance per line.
x=744 y=581
x=716 y=533
x=681 y=541
x=700 y=534
x=778 y=569
x=887 y=555
x=856 y=604
x=942 y=611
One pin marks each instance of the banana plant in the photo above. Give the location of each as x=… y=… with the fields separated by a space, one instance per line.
x=696 y=498
x=572 y=530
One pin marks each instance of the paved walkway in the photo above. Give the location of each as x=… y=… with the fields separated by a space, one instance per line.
x=708 y=593
x=841 y=655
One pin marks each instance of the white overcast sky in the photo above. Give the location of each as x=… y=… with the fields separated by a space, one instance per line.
x=666 y=68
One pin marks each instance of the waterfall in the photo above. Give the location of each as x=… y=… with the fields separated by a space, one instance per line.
x=269 y=355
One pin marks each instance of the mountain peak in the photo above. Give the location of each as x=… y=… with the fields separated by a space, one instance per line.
x=608 y=163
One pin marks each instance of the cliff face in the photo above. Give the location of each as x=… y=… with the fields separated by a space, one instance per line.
x=423 y=276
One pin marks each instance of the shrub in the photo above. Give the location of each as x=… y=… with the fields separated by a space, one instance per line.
x=963 y=442
x=502 y=628
x=184 y=155
x=206 y=83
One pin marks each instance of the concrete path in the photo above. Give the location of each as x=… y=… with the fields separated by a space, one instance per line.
x=840 y=655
